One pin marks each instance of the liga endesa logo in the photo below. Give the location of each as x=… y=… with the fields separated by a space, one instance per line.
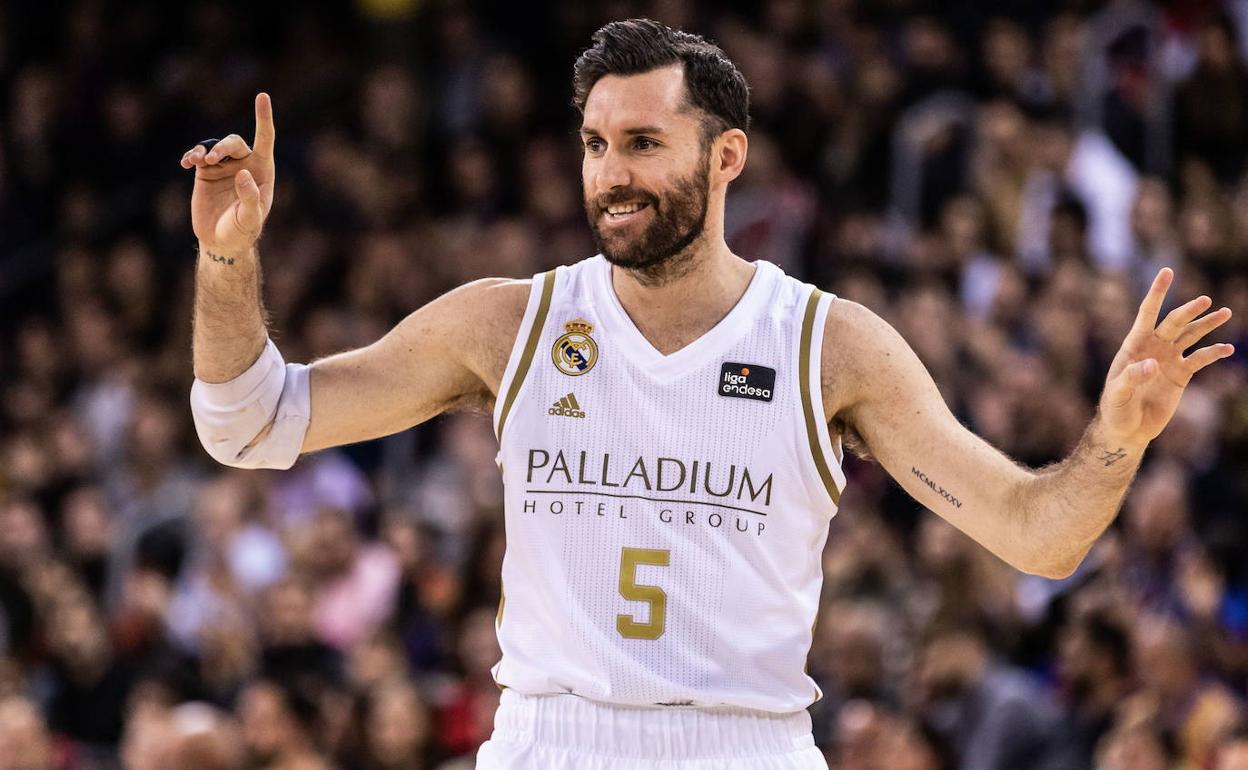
x=746 y=381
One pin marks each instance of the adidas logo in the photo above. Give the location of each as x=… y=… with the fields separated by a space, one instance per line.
x=566 y=407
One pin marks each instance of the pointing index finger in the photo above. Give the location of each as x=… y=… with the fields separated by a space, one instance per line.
x=263 y=145
x=1150 y=308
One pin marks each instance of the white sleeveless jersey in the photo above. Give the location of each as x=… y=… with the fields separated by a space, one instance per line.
x=665 y=515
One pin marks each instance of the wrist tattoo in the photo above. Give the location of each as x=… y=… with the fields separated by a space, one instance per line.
x=219 y=258
x=1109 y=458
x=936 y=487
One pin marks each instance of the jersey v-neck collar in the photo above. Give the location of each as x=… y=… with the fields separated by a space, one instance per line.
x=628 y=339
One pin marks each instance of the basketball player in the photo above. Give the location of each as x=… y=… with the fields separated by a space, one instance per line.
x=670 y=419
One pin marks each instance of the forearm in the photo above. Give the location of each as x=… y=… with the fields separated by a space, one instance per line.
x=251 y=409
x=229 y=328
x=1043 y=521
x=1064 y=508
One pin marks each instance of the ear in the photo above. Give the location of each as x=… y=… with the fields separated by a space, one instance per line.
x=728 y=155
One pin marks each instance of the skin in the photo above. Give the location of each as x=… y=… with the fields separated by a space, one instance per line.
x=452 y=352
x=1233 y=756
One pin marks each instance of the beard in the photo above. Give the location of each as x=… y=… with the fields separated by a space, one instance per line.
x=679 y=219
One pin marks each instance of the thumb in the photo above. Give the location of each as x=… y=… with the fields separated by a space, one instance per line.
x=1120 y=389
x=248 y=215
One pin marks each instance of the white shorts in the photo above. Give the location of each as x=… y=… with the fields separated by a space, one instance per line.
x=566 y=732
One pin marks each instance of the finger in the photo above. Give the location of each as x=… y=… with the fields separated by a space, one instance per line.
x=265 y=132
x=231 y=146
x=1120 y=390
x=248 y=214
x=1181 y=316
x=1150 y=308
x=1194 y=331
x=201 y=148
x=1207 y=355
x=193 y=157
x=211 y=172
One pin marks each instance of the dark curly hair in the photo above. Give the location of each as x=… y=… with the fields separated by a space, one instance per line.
x=713 y=84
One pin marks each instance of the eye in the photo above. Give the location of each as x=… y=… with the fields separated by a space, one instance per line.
x=645 y=143
x=595 y=144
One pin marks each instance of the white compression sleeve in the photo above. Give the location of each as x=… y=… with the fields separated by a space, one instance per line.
x=229 y=415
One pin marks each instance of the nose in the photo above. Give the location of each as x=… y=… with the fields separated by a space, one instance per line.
x=612 y=171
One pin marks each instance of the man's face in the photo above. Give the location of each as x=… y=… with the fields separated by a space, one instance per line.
x=645 y=170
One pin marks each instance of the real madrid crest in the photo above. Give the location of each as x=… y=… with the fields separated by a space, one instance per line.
x=575 y=353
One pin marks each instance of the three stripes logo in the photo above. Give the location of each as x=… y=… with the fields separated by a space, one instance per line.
x=566 y=407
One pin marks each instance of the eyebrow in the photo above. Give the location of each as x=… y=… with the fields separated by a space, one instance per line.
x=630 y=131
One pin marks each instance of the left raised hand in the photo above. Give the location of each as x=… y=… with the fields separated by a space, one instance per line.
x=1150 y=372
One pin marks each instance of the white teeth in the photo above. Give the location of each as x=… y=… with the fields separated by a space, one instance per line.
x=624 y=209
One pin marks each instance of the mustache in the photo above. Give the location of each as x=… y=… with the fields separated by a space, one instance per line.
x=624 y=196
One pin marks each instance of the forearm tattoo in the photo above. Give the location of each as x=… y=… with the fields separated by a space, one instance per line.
x=936 y=487
x=220 y=259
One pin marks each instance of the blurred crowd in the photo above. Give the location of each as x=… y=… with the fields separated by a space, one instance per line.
x=999 y=180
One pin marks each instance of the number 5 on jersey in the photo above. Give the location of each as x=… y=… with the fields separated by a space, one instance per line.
x=634 y=592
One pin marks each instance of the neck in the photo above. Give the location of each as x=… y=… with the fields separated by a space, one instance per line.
x=686 y=302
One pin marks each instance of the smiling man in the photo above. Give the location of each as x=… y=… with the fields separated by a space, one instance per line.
x=670 y=418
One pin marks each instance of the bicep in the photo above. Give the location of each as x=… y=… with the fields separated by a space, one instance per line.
x=439 y=356
x=895 y=407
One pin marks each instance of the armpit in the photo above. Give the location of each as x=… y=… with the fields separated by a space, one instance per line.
x=480 y=402
x=854 y=444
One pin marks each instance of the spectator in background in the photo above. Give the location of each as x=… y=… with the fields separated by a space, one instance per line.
x=280 y=726
x=916 y=746
x=148 y=728
x=467 y=715
x=1086 y=167
x=25 y=742
x=232 y=559
x=859 y=737
x=198 y=737
x=90 y=684
x=354 y=583
x=772 y=212
x=290 y=646
x=872 y=738
x=1156 y=519
x=849 y=654
x=1155 y=241
x=1175 y=695
x=396 y=729
x=990 y=712
x=1211 y=106
x=1094 y=666
x=1232 y=749
x=87 y=521
x=1140 y=747
x=430 y=590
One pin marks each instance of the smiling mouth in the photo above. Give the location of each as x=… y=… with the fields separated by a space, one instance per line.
x=618 y=213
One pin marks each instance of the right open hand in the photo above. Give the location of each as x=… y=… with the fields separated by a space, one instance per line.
x=233 y=187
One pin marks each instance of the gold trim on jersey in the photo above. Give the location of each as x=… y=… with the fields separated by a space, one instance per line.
x=530 y=346
x=804 y=375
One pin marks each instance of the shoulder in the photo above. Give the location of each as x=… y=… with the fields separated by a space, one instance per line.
x=510 y=291
x=475 y=310
x=475 y=324
x=861 y=353
x=492 y=305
